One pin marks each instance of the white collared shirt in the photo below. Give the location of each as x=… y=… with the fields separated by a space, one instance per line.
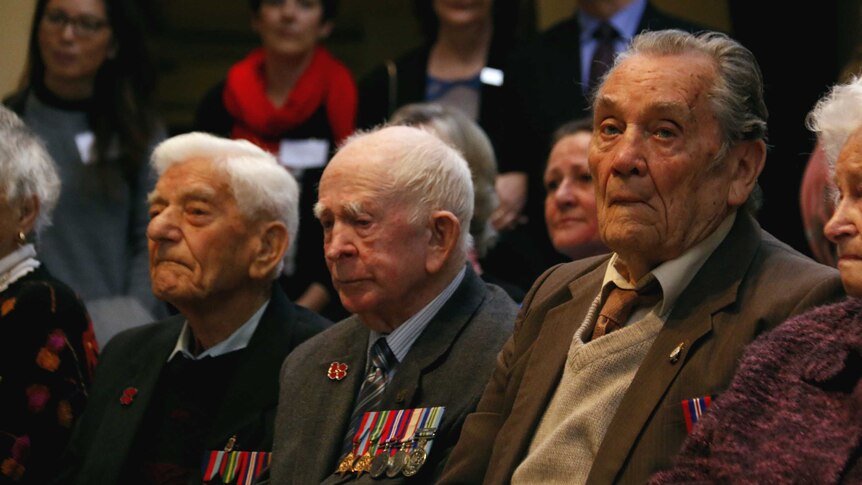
x=239 y=339
x=673 y=276
x=401 y=339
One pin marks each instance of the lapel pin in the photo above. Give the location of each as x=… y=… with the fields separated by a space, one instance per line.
x=128 y=396
x=337 y=371
x=674 y=354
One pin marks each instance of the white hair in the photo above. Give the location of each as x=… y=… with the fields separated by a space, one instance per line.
x=429 y=173
x=27 y=168
x=836 y=116
x=261 y=187
x=463 y=134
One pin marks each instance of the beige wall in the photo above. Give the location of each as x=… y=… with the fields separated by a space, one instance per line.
x=15 y=18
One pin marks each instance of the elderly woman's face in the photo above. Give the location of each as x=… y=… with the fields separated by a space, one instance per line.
x=844 y=227
x=570 y=201
x=75 y=39
x=290 y=28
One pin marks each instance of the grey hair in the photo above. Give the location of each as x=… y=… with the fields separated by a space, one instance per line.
x=464 y=135
x=836 y=116
x=736 y=94
x=27 y=168
x=261 y=187
x=429 y=174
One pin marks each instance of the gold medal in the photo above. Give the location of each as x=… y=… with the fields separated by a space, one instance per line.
x=362 y=464
x=346 y=464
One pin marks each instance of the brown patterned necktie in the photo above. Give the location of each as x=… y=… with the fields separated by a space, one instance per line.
x=620 y=304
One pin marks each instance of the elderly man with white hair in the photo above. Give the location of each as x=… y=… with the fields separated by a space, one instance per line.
x=382 y=395
x=192 y=398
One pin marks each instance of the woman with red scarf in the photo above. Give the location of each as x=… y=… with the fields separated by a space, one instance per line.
x=294 y=99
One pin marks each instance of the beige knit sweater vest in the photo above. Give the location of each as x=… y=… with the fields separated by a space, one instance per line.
x=596 y=376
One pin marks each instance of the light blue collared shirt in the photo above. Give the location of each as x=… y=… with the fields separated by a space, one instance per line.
x=625 y=22
x=238 y=339
x=401 y=339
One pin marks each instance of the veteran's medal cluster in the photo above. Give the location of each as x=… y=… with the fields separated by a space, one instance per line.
x=392 y=443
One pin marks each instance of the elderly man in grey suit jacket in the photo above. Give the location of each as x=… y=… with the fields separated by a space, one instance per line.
x=174 y=400
x=381 y=396
x=614 y=358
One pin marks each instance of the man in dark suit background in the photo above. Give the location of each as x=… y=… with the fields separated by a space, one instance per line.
x=547 y=84
x=614 y=357
x=169 y=396
x=395 y=206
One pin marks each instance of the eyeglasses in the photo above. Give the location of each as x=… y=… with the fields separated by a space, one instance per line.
x=83 y=26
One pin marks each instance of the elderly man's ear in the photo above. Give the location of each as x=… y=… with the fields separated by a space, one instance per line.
x=445 y=231
x=272 y=245
x=746 y=160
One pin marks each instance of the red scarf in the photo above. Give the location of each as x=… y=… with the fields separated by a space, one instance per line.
x=324 y=82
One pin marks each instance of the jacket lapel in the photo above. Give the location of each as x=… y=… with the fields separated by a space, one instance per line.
x=323 y=434
x=714 y=288
x=435 y=341
x=120 y=423
x=544 y=366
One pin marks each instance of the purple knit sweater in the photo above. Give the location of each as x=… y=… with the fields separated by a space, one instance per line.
x=793 y=413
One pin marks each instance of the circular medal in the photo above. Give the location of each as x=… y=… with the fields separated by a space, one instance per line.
x=379 y=465
x=397 y=463
x=415 y=462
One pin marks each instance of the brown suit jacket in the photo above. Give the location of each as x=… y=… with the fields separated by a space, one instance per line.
x=751 y=283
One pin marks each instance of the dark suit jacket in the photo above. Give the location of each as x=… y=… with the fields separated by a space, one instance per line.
x=447 y=366
x=135 y=358
x=751 y=283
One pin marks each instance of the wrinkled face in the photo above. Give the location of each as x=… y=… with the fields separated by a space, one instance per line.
x=570 y=201
x=463 y=12
x=201 y=246
x=290 y=28
x=375 y=254
x=658 y=191
x=75 y=39
x=844 y=226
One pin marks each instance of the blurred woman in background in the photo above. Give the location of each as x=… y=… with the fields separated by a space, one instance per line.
x=88 y=93
x=292 y=98
x=570 y=200
x=47 y=349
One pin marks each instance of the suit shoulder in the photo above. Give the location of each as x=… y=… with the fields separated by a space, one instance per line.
x=309 y=323
x=337 y=335
x=780 y=259
x=131 y=340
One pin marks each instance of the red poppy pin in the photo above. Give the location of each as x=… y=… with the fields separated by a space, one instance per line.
x=128 y=396
x=337 y=371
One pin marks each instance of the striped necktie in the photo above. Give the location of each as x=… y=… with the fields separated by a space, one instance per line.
x=371 y=392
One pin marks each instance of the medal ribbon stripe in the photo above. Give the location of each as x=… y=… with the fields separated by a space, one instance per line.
x=400 y=434
x=414 y=423
x=433 y=422
x=212 y=461
x=373 y=418
x=393 y=430
x=693 y=410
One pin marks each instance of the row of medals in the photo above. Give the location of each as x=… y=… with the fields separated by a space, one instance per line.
x=406 y=461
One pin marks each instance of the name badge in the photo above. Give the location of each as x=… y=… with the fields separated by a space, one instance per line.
x=303 y=154
x=84 y=141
